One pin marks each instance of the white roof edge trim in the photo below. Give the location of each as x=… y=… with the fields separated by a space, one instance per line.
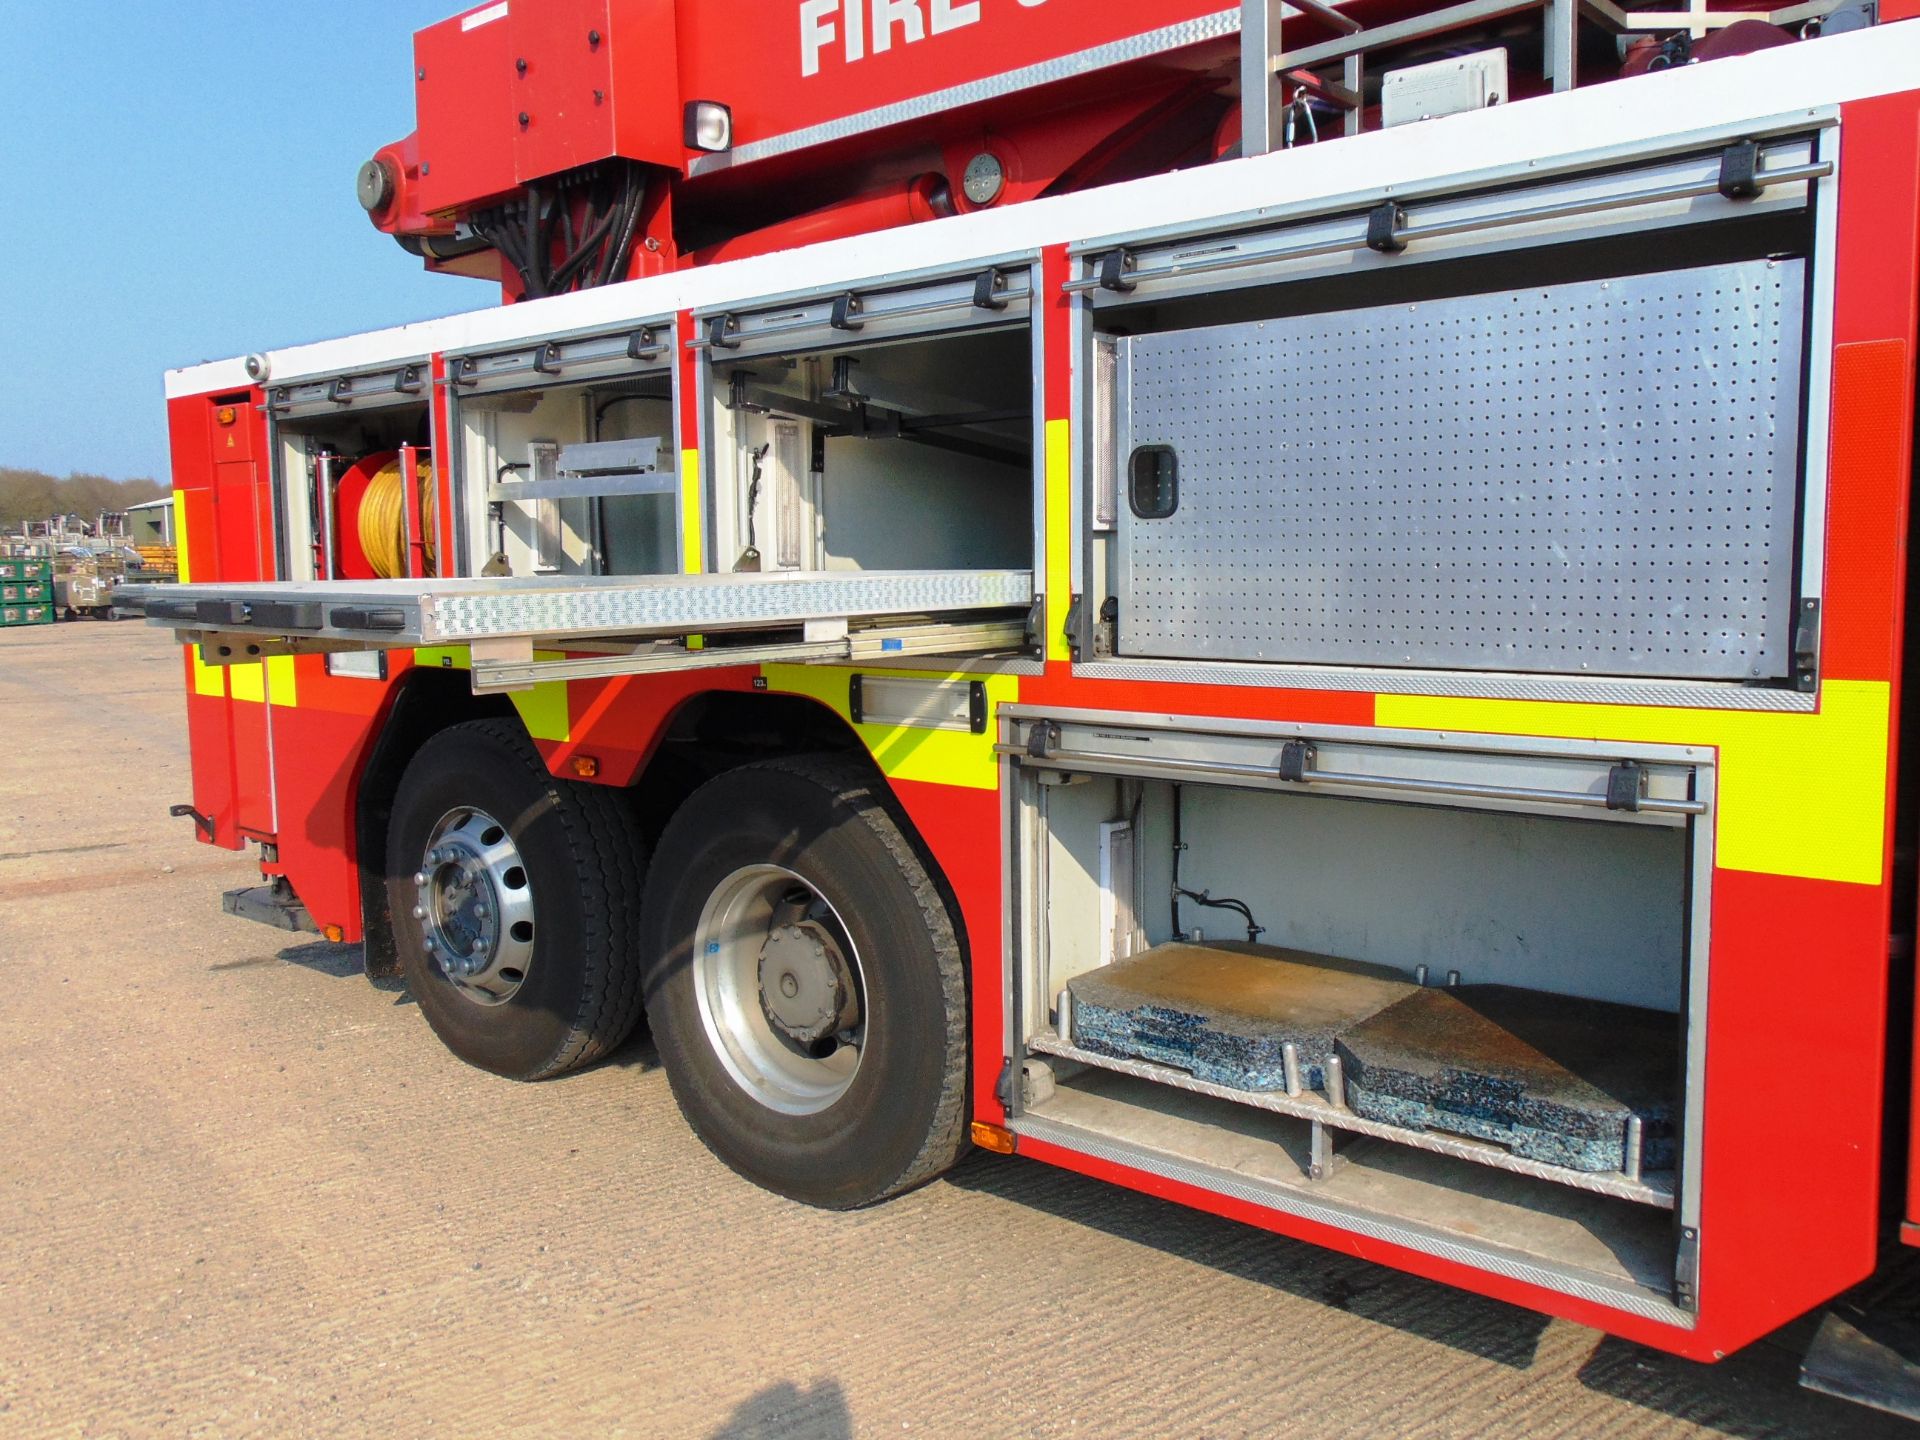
x=1768 y=86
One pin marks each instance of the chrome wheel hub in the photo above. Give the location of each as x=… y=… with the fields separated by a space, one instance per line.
x=779 y=988
x=475 y=906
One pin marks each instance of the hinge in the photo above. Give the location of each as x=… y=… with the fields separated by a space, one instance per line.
x=1296 y=759
x=1072 y=627
x=644 y=345
x=1106 y=630
x=856 y=708
x=406 y=381
x=988 y=289
x=1806 y=643
x=1036 y=1086
x=340 y=390
x=1740 y=170
x=1116 y=267
x=546 y=358
x=977 y=706
x=1686 y=1268
x=720 y=328
x=1626 y=783
x=1384 y=223
x=460 y=370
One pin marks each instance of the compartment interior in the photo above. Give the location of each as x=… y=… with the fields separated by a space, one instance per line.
x=1468 y=1017
x=618 y=516
x=318 y=458
x=910 y=455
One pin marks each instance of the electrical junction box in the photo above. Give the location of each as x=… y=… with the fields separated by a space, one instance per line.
x=1443 y=87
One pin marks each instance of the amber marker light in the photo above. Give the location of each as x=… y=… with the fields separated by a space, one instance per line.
x=333 y=933
x=226 y=415
x=993 y=1137
x=585 y=766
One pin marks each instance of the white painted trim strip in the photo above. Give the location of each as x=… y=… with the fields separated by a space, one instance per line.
x=1769 y=89
x=484 y=17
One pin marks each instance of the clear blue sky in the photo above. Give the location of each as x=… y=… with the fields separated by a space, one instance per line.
x=178 y=186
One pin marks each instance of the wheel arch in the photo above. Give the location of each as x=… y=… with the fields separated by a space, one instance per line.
x=424 y=701
x=714 y=731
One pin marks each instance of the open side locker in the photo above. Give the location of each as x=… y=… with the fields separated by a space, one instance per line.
x=1442 y=995
x=889 y=427
x=1456 y=434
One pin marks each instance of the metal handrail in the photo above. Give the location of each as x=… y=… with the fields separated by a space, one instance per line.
x=1686 y=190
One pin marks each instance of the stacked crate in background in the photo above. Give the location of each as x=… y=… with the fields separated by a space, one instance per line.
x=26 y=592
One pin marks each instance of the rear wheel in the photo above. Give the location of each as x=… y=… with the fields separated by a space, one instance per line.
x=514 y=904
x=806 y=986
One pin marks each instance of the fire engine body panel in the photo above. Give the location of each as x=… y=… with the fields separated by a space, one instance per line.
x=1465 y=559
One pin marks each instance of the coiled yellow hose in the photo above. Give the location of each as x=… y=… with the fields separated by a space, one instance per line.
x=383 y=520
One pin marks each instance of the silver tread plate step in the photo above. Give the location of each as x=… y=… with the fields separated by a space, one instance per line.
x=398 y=613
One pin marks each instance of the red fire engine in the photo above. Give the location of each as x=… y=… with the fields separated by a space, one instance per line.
x=1298 y=607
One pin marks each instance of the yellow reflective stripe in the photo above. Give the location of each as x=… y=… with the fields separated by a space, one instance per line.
x=258 y=680
x=692 y=515
x=939 y=757
x=1059 y=553
x=207 y=679
x=544 y=709
x=180 y=536
x=1801 y=795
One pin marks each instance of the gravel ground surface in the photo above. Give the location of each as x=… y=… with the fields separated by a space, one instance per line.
x=244 y=1192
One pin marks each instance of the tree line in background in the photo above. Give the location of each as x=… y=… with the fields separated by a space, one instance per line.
x=35 y=495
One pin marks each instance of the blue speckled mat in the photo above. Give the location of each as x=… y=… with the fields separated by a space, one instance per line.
x=1554 y=1078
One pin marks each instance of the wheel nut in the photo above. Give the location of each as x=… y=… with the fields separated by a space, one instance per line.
x=419 y=912
x=431 y=943
x=419 y=877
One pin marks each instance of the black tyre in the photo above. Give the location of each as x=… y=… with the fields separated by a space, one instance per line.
x=515 y=904
x=805 y=985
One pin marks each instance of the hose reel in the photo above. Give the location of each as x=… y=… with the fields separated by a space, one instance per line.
x=372 y=510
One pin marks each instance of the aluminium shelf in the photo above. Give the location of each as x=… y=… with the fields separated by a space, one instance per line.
x=400 y=613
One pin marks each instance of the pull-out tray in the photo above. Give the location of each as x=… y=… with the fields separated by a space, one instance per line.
x=399 y=613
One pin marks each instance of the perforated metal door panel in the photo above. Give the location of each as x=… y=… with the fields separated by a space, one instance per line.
x=1598 y=477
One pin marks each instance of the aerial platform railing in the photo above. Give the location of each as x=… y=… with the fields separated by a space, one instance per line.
x=1268 y=69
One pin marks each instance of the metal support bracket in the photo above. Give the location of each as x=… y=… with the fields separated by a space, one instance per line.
x=1384 y=223
x=1626 y=784
x=1115 y=268
x=989 y=289
x=1042 y=737
x=1296 y=760
x=202 y=823
x=846 y=312
x=643 y=344
x=1740 y=170
x=723 y=332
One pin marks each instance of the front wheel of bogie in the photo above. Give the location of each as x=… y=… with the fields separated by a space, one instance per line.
x=805 y=984
x=514 y=903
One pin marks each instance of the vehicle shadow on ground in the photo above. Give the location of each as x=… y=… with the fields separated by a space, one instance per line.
x=1470 y=1323
x=324 y=957
x=786 y=1412
x=1754 y=1395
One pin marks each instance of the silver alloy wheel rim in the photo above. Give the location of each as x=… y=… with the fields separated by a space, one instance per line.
x=780 y=990
x=475 y=906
